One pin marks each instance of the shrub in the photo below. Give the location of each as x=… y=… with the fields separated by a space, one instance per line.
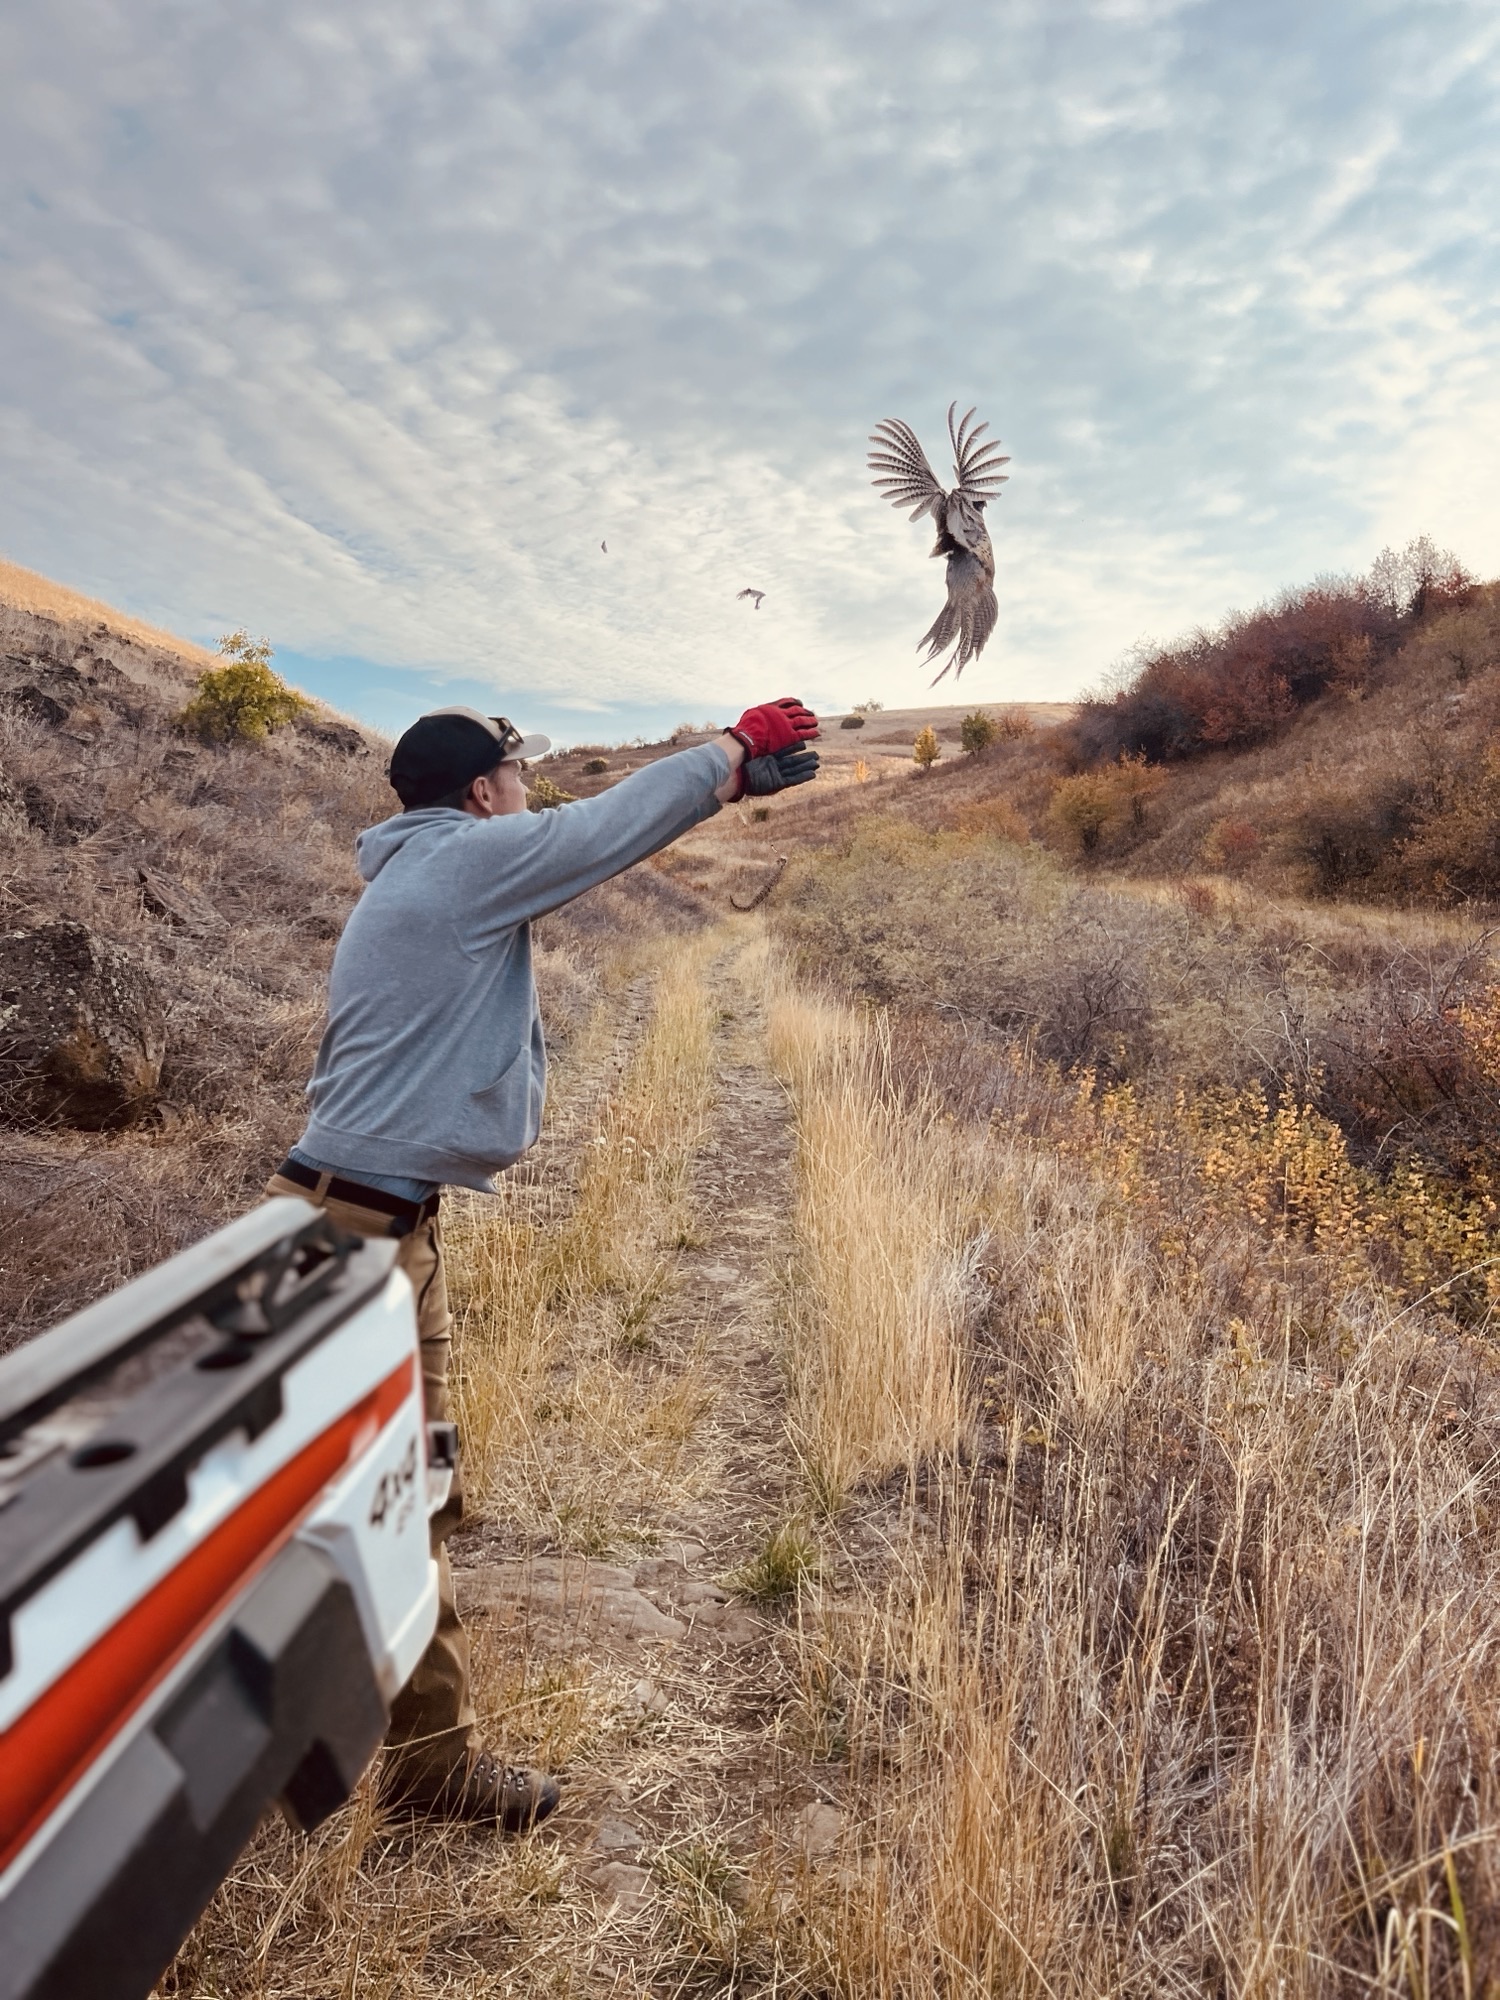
x=1235 y=685
x=1012 y=725
x=855 y=721
x=977 y=731
x=994 y=819
x=243 y=699
x=1084 y=806
x=926 y=749
x=1231 y=844
x=1452 y=852
x=861 y=771
x=595 y=766
x=542 y=794
x=1346 y=835
x=868 y=707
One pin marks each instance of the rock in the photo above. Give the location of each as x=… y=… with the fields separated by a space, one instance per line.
x=335 y=736
x=180 y=906
x=677 y=1555
x=559 y=1599
x=82 y=1029
x=731 y=1623
x=63 y=820
x=647 y=1700
x=39 y=705
x=617 y=1837
x=816 y=1830
x=626 y=1885
x=693 y=1594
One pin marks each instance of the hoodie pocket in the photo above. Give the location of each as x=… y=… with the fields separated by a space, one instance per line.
x=502 y=1120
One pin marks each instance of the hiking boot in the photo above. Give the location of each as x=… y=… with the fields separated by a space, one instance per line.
x=482 y=1788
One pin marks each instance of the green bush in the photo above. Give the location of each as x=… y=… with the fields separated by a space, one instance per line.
x=977 y=731
x=242 y=700
x=542 y=794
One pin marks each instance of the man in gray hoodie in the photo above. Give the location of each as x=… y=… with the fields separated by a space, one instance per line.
x=432 y=1072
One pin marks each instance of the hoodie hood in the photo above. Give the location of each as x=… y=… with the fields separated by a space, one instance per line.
x=379 y=844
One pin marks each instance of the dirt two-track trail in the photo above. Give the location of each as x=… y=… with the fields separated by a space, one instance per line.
x=695 y=1783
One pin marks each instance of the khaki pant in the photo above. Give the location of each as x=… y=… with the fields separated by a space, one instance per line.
x=432 y=1721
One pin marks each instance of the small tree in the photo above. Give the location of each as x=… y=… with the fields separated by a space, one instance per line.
x=867 y=707
x=926 y=750
x=1012 y=724
x=977 y=731
x=243 y=699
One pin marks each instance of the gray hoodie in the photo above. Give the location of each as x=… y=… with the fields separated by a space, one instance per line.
x=432 y=1064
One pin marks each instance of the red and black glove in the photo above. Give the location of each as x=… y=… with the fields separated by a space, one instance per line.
x=773 y=726
x=761 y=776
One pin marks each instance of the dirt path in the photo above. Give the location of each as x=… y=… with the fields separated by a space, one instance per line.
x=685 y=1776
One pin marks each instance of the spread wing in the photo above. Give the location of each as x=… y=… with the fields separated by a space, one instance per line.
x=907 y=480
x=976 y=466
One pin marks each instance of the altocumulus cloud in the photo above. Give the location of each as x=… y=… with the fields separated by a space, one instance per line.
x=365 y=324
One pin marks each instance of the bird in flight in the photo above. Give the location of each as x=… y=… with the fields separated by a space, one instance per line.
x=604 y=546
x=756 y=594
x=968 y=618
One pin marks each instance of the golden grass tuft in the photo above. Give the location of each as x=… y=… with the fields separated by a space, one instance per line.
x=878 y=1300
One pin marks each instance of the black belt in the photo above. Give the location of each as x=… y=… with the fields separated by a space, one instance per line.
x=408 y=1213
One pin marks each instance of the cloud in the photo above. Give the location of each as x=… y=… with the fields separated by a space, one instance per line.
x=365 y=325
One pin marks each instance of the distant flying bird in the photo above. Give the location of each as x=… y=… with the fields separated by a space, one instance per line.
x=605 y=547
x=968 y=618
x=756 y=594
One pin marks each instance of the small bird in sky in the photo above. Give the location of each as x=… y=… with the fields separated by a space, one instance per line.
x=756 y=594
x=605 y=547
x=968 y=618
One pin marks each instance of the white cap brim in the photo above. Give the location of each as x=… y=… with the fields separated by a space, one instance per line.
x=520 y=753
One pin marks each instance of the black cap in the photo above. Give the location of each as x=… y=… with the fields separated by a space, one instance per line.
x=449 y=749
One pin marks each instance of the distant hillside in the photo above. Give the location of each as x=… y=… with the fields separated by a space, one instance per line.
x=1383 y=784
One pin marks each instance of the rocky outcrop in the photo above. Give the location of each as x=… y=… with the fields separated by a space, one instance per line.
x=164 y=896
x=82 y=1030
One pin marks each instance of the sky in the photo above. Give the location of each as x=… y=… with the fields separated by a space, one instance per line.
x=363 y=326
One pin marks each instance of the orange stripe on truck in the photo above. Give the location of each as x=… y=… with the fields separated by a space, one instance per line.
x=47 y=1748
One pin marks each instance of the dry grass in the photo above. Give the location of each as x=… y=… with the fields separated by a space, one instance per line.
x=1188 y=1681
x=585 y=1268
x=877 y=1302
x=568 y=1444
